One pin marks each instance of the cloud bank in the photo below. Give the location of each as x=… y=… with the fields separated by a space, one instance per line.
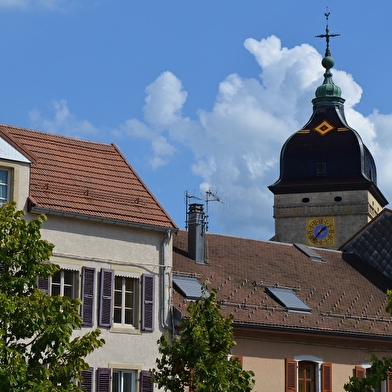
x=236 y=144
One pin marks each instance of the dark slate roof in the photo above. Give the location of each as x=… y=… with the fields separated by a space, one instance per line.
x=86 y=179
x=346 y=296
x=328 y=139
x=373 y=243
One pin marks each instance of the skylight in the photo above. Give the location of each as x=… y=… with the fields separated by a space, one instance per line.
x=190 y=288
x=288 y=299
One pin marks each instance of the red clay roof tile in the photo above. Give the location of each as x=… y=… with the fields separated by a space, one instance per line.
x=345 y=295
x=85 y=178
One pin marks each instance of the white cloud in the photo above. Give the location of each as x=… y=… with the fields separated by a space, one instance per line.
x=165 y=98
x=64 y=122
x=237 y=143
x=234 y=147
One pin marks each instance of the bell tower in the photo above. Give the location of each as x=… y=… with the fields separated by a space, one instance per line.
x=327 y=188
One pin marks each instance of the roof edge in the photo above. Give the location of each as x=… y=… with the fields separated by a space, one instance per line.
x=39 y=210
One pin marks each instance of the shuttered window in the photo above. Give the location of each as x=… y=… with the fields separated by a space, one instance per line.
x=103 y=380
x=302 y=375
x=87 y=383
x=88 y=289
x=147 y=302
x=63 y=282
x=43 y=284
x=106 y=297
x=326 y=374
x=291 y=375
x=146 y=384
x=125 y=300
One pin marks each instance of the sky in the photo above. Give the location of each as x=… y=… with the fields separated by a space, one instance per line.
x=198 y=95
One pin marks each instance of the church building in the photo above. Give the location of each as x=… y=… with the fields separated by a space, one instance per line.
x=327 y=188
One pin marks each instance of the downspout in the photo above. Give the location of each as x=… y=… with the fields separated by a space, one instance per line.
x=163 y=268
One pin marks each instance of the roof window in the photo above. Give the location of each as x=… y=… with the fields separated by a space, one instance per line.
x=288 y=299
x=190 y=288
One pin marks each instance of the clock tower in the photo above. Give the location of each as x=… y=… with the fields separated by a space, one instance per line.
x=327 y=188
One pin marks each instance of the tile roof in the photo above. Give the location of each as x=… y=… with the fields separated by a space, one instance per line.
x=345 y=295
x=85 y=179
x=373 y=243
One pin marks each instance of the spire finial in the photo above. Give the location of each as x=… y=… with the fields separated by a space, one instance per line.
x=327 y=36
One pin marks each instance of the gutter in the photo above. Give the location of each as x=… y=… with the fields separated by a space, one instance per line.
x=162 y=282
x=46 y=211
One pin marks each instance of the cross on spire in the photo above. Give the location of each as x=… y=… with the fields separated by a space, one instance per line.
x=327 y=36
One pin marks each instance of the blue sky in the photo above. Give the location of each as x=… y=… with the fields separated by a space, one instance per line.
x=198 y=95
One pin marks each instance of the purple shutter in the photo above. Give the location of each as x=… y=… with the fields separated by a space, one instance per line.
x=43 y=284
x=87 y=383
x=87 y=310
x=146 y=384
x=106 y=296
x=147 y=302
x=103 y=380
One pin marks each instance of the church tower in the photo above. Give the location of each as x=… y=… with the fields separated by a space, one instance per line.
x=327 y=188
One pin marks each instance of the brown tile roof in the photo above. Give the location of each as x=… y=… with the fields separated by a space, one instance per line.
x=343 y=299
x=86 y=179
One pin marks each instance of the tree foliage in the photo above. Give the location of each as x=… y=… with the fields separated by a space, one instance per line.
x=380 y=369
x=37 y=351
x=198 y=358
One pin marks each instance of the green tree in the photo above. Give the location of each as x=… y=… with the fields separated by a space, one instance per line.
x=380 y=369
x=198 y=358
x=37 y=350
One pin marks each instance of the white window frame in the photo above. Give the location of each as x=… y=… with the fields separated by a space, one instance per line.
x=135 y=301
x=7 y=184
x=317 y=361
x=74 y=286
x=121 y=373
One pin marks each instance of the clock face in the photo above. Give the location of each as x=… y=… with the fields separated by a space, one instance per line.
x=320 y=231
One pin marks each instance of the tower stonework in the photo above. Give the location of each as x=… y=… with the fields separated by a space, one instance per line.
x=327 y=188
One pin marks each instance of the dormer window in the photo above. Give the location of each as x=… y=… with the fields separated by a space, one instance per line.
x=4 y=186
x=321 y=168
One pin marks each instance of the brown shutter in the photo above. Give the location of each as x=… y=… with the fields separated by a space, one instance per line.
x=359 y=372
x=291 y=375
x=87 y=383
x=146 y=384
x=103 y=380
x=106 y=296
x=326 y=374
x=389 y=382
x=88 y=286
x=148 y=302
x=43 y=284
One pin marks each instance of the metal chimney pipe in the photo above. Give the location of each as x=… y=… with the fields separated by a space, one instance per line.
x=196 y=232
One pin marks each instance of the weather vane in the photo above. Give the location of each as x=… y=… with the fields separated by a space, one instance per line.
x=327 y=36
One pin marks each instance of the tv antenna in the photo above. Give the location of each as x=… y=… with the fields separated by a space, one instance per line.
x=210 y=196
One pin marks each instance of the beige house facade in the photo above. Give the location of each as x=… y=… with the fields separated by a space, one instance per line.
x=113 y=243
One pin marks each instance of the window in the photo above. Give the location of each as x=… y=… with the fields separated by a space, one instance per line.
x=64 y=283
x=124 y=381
x=362 y=371
x=321 y=168
x=4 y=186
x=119 y=380
x=119 y=300
x=125 y=300
x=308 y=375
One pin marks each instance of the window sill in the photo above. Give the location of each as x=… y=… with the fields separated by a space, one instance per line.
x=125 y=329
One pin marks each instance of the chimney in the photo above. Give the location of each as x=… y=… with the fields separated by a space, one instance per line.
x=196 y=225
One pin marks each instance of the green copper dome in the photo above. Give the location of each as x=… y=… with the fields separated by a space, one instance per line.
x=328 y=88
